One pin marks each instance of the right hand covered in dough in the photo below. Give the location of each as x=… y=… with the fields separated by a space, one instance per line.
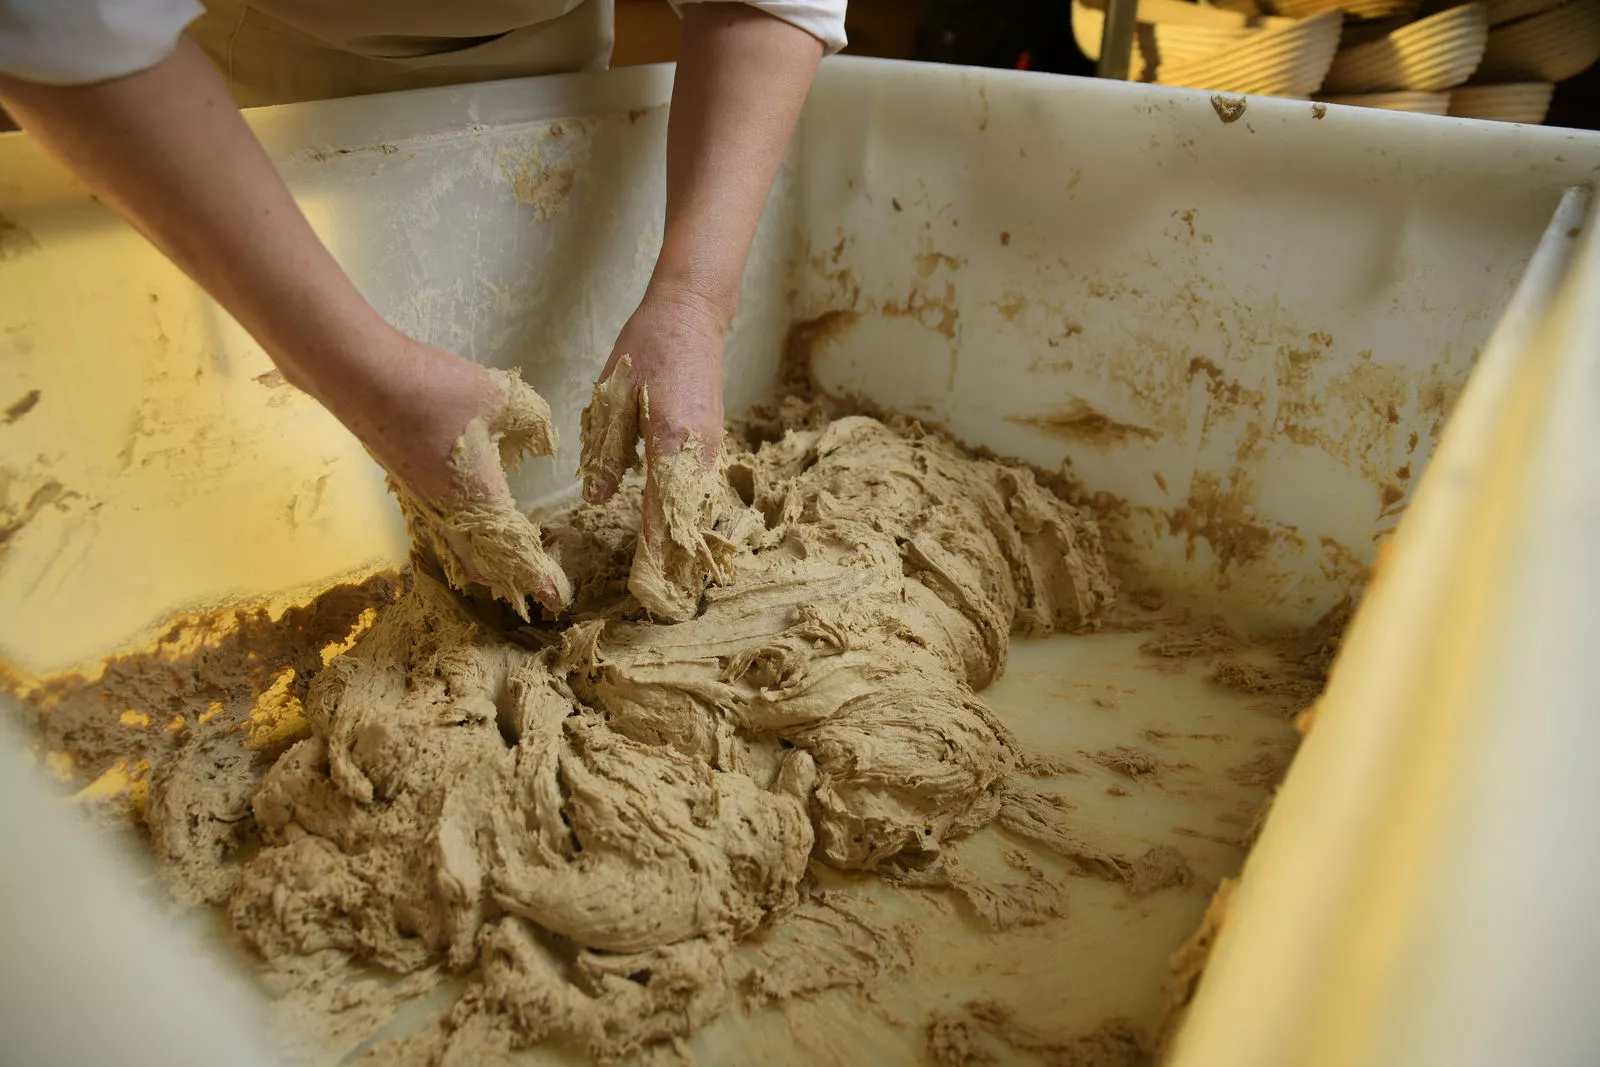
x=742 y=77
x=663 y=382
x=445 y=429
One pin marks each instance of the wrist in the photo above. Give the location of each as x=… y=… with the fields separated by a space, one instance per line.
x=344 y=368
x=699 y=309
x=405 y=396
x=696 y=284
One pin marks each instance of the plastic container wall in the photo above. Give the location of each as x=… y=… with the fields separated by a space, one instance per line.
x=1420 y=894
x=1240 y=324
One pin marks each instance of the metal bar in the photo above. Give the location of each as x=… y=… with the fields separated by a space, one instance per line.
x=1116 y=41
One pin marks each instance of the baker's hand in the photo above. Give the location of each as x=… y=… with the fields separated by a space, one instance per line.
x=445 y=429
x=663 y=382
x=411 y=420
x=673 y=346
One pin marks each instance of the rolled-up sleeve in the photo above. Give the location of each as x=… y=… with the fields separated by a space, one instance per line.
x=822 y=19
x=75 y=42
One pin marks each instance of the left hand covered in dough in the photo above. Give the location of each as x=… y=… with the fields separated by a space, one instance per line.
x=663 y=383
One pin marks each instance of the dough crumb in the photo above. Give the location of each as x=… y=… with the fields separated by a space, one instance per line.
x=1244 y=677
x=1214 y=638
x=1163 y=867
x=956 y=1042
x=1129 y=762
x=1036 y=817
x=1002 y=906
x=828 y=942
x=1267 y=769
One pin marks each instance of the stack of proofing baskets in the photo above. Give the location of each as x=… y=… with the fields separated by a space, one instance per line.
x=1498 y=59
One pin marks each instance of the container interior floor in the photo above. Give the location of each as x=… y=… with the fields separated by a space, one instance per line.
x=1215 y=754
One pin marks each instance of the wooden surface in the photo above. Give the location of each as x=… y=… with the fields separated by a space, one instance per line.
x=647 y=32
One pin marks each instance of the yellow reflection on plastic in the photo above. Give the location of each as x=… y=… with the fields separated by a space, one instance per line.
x=118 y=779
x=139 y=794
x=164 y=468
x=364 y=622
x=279 y=718
x=60 y=766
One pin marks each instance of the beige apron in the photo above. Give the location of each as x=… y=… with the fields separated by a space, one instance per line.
x=280 y=51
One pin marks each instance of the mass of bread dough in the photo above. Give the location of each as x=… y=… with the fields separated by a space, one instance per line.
x=587 y=814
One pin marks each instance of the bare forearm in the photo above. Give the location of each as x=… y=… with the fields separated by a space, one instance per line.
x=168 y=150
x=742 y=79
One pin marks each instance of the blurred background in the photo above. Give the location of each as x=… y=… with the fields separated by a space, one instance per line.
x=1039 y=35
x=985 y=33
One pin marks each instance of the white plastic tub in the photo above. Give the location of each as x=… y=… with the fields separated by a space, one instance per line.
x=1239 y=337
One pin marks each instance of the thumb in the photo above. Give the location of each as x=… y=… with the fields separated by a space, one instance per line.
x=610 y=432
x=521 y=426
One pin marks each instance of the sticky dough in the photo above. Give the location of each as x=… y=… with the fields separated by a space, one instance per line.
x=592 y=814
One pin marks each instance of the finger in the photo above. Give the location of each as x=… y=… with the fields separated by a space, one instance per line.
x=505 y=550
x=488 y=543
x=678 y=554
x=521 y=426
x=685 y=408
x=654 y=580
x=610 y=432
x=461 y=550
x=554 y=595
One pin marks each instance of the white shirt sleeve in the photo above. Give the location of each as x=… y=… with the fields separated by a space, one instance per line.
x=74 y=42
x=822 y=19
